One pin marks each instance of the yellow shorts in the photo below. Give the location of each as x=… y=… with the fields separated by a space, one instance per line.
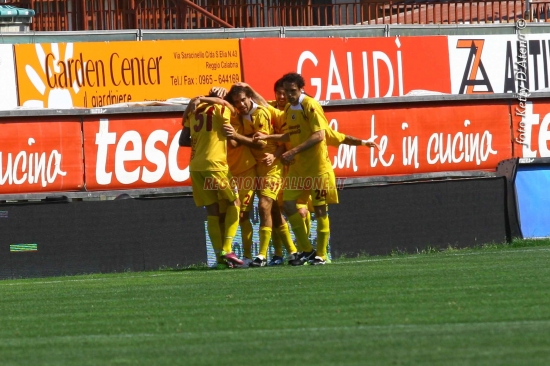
x=210 y=187
x=270 y=179
x=307 y=203
x=246 y=183
x=322 y=189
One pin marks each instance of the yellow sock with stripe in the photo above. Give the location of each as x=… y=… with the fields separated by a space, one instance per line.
x=215 y=234
x=231 y=226
x=265 y=238
x=307 y=222
x=323 y=234
x=284 y=234
x=246 y=233
x=277 y=243
x=299 y=229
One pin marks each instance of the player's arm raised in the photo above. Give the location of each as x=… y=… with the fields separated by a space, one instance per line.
x=230 y=132
x=256 y=97
x=352 y=140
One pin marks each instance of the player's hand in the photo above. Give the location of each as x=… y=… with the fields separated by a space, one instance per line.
x=229 y=130
x=259 y=136
x=287 y=157
x=372 y=144
x=268 y=159
x=219 y=91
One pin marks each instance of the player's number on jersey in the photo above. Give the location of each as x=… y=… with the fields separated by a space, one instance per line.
x=320 y=194
x=200 y=116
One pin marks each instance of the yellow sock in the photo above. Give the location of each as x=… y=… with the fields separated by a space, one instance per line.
x=323 y=233
x=213 y=226
x=307 y=221
x=299 y=229
x=231 y=226
x=284 y=234
x=246 y=232
x=265 y=238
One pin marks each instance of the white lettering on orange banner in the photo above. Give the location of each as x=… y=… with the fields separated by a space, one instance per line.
x=31 y=167
x=528 y=133
x=129 y=148
x=382 y=68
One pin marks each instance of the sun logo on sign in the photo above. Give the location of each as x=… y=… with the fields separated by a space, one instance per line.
x=47 y=72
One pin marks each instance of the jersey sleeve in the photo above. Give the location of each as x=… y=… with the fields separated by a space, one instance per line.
x=315 y=116
x=225 y=113
x=334 y=138
x=262 y=122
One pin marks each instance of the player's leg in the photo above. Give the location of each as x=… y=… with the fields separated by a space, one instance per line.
x=246 y=186
x=246 y=234
x=223 y=209
x=305 y=210
x=266 y=224
x=323 y=234
x=268 y=189
x=298 y=227
x=320 y=200
x=228 y=192
x=214 y=230
x=276 y=239
x=281 y=231
x=208 y=199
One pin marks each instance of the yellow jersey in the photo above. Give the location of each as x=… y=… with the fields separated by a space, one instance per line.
x=239 y=158
x=259 y=120
x=302 y=121
x=208 y=143
x=277 y=118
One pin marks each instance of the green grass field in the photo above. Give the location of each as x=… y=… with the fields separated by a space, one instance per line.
x=488 y=306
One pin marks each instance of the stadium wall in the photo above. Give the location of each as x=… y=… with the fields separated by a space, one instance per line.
x=415 y=216
x=59 y=237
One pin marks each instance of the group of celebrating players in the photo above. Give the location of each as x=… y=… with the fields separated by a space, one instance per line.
x=243 y=145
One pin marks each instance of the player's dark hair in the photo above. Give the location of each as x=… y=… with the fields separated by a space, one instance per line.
x=295 y=78
x=278 y=84
x=235 y=90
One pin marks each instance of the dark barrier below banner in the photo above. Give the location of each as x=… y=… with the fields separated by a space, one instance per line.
x=60 y=238
x=51 y=239
x=410 y=217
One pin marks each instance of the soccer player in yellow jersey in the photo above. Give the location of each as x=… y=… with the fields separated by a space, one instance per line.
x=242 y=166
x=203 y=132
x=310 y=171
x=332 y=137
x=256 y=118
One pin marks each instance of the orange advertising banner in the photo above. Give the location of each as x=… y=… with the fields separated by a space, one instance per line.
x=134 y=152
x=531 y=124
x=421 y=139
x=44 y=155
x=349 y=68
x=65 y=75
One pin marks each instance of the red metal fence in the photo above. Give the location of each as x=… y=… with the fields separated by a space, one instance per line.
x=63 y=15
